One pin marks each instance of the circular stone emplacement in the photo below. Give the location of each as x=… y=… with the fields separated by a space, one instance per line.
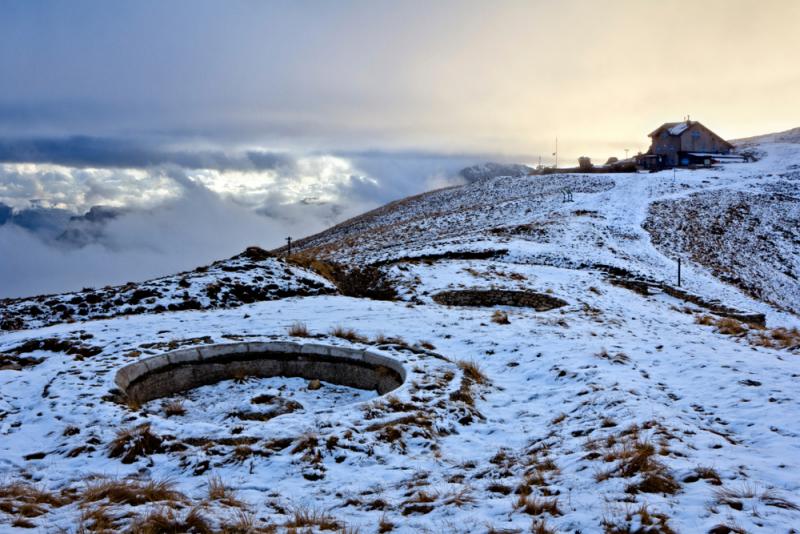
x=185 y=369
x=499 y=297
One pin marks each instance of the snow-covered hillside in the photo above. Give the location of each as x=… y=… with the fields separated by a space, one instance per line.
x=626 y=405
x=789 y=136
x=252 y=276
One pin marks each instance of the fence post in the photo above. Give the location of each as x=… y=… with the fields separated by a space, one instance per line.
x=289 y=247
x=679 y=272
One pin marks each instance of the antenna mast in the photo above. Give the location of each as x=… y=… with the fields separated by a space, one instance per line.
x=556 y=153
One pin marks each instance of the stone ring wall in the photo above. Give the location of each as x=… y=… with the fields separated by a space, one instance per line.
x=184 y=369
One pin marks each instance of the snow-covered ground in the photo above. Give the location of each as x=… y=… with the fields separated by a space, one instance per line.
x=248 y=277
x=618 y=412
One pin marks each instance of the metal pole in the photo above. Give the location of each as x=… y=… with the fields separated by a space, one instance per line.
x=679 y=272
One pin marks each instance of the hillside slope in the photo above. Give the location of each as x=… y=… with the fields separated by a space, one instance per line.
x=748 y=239
x=556 y=379
x=249 y=277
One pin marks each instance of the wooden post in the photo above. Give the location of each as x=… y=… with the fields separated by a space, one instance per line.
x=679 y=272
x=289 y=247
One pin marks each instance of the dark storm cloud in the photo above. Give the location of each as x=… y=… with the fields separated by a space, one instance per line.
x=84 y=151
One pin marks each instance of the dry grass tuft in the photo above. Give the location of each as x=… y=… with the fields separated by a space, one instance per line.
x=382 y=339
x=731 y=327
x=349 y=334
x=26 y=500
x=539 y=526
x=559 y=418
x=705 y=320
x=384 y=525
x=733 y=497
x=174 y=408
x=532 y=505
x=219 y=492
x=131 y=491
x=97 y=519
x=785 y=338
x=618 y=358
x=630 y=455
x=166 y=520
x=245 y=523
x=310 y=518
x=638 y=520
x=306 y=443
x=133 y=443
x=500 y=317
x=472 y=374
x=704 y=473
x=473 y=371
x=655 y=483
x=299 y=329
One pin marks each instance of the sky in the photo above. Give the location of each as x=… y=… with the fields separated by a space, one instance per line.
x=285 y=117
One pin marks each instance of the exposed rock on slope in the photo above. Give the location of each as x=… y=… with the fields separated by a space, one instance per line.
x=252 y=276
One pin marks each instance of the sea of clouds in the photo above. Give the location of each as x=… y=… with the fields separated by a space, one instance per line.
x=94 y=213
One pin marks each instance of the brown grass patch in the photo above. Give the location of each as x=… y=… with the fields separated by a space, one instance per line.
x=174 y=408
x=632 y=455
x=785 y=338
x=349 y=334
x=306 y=443
x=219 y=492
x=299 y=329
x=648 y=521
x=382 y=339
x=532 y=505
x=134 y=443
x=27 y=500
x=500 y=317
x=705 y=320
x=166 y=520
x=540 y=526
x=309 y=518
x=131 y=491
x=384 y=525
x=473 y=371
x=731 y=327
x=704 y=473
x=618 y=358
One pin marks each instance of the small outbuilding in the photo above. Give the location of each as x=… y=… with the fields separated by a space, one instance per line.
x=683 y=143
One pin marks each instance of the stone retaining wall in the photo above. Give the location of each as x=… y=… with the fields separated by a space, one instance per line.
x=644 y=287
x=497 y=297
x=181 y=370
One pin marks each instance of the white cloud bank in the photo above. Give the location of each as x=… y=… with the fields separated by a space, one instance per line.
x=175 y=219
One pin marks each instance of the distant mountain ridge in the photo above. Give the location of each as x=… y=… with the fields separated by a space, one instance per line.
x=493 y=170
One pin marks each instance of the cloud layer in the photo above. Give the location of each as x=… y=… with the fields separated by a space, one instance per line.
x=178 y=214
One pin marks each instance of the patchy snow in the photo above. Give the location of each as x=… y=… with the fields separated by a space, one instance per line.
x=249 y=277
x=788 y=136
x=587 y=413
x=679 y=128
x=254 y=399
